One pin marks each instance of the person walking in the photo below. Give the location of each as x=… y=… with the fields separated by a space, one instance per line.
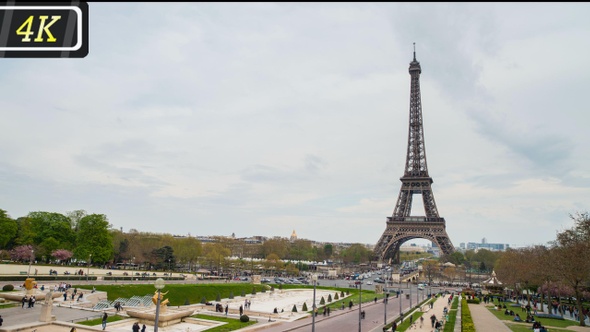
x=135 y=327
x=242 y=310
x=104 y=320
x=226 y=309
x=433 y=319
x=143 y=328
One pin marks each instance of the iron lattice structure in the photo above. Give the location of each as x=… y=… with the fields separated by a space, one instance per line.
x=401 y=227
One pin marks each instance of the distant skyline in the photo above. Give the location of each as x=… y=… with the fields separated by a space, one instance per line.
x=264 y=118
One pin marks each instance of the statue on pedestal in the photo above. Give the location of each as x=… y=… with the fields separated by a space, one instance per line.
x=30 y=284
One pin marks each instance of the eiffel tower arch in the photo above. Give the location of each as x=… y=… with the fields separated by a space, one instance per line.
x=401 y=226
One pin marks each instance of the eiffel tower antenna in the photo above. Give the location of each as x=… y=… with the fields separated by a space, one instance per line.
x=401 y=226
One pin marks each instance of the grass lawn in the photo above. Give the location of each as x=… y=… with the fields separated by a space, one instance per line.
x=98 y=321
x=548 y=322
x=232 y=324
x=180 y=294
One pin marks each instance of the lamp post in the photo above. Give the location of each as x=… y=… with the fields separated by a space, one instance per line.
x=30 y=262
x=169 y=272
x=360 y=302
x=385 y=300
x=314 y=279
x=88 y=269
x=399 y=291
x=159 y=284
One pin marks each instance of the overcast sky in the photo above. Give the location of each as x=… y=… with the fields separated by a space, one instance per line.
x=264 y=118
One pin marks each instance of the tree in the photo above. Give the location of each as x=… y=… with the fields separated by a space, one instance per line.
x=572 y=251
x=62 y=254
x=22 y=253
x=94 y=238
x=187 y=250
x=51 y=225
x=8 y=230
x=75 y=217
x=430 y=268
x=164 y=257
x=356 y=253
x=215 y=255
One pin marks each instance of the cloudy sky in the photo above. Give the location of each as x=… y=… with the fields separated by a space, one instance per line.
x=264 y=118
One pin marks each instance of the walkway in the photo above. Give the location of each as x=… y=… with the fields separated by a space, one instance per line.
x=484 y=320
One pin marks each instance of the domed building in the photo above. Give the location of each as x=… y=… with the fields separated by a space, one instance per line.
x=293 y=236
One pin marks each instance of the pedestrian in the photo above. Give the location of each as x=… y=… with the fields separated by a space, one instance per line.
x=30 y=302
x=328 y=311
x=242 y=310
x=226 y=309
x=24 y=300
x=104 y=320
x=411 y=319
x=350 y=305
x=1 y=320
x=342 y=307
x=73 y=329
x=135 y=327
x=65 y=296
x=143 y=328
x=433 y=319
x=421 y=321
x=394 y=326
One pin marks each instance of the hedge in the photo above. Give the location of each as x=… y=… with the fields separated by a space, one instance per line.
x=466 y=320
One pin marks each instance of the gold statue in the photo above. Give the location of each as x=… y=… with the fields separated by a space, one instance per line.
x=162 y=302
x=30 y=283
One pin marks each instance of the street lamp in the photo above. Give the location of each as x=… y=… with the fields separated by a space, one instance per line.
x=314 y=279
x=159 y=284
x=385 y=300
x=88 y=270
x=360 y=302
x=399 y=291
x=30 y=262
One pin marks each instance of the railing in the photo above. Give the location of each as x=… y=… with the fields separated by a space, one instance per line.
x=416 y=219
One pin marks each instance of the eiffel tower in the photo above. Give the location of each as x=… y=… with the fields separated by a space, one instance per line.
x=401 y=227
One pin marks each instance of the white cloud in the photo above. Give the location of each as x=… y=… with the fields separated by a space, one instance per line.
x=262 y=118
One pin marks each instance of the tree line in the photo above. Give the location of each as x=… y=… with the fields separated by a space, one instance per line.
x=78 y=236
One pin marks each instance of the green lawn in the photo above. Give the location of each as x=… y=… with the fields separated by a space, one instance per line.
x=193 y=293
x=549 y=322
x=98 y=321
x=232 y=324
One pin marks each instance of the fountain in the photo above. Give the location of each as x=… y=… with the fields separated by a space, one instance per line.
x=161 y=315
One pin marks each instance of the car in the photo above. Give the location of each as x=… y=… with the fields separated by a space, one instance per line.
x=369 y=282
x=265 y=280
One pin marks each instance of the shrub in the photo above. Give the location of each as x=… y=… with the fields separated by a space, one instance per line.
x=294 y=308
x=264 y=289
x=329 y=297
x=322 y=301
x=304 y=307
x=272 y=288
x=466 y=320
x=244 y=319
x=347 y=292
x=218 y=298
x=280 y=286
x=231 y=294
x=187 y=302
x=253 y=291
x=474 y=300
x=341 y=293
x=243 y=293
x=203 y=300
x=8 y=288
x=336 y=296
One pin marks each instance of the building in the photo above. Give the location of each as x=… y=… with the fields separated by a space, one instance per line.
x=484 y=245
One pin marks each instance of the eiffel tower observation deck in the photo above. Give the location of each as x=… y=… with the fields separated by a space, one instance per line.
x=401 y=226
